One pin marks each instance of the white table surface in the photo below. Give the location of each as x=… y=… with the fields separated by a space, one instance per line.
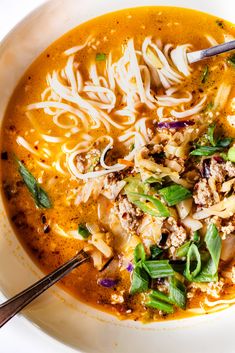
x=19 y=336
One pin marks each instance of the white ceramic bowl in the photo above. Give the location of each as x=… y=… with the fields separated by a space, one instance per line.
x=56 y=312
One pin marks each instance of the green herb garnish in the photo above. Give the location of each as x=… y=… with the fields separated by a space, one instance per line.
x=231 y=60
x=183 y=249
x=209 y=271
x=152 y=206
x=160 y=305
x=205 y=151
x=193 y=263
x=83 y=231
x=210 y=134
x=216 y=144
x=158 y=268
x=178 y=292
x=231 y=154
x=196 y=237
x=140 y=280
x=205 y=74
x=100 y=57
x=139 y=254
x=174 y=194
x=40 y=196
x=155 y=251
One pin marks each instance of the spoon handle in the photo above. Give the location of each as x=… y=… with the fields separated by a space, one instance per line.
x=206 y=53
x=12 y=306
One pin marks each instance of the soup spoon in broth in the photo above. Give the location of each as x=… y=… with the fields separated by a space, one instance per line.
x=199 y=55
x=14 y=305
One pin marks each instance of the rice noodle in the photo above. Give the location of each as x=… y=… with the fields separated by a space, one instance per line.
x=222 y=95
x=79 y=106
x=179 y=58
x=192 y=111
x=219 y=302
x=21 y=141
x=77 y=48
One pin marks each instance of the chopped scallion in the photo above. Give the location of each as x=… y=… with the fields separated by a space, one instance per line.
x=178 y=292
x=158 y=268
x=231 y=60
x=156 y=294
x=174 y=194
x=231 y=154
x=140 y=280
x=193 y=263
x=139 y=253
x=155 y=251
x=100 y=57
x=205 y=151
x=40 y=196
x=83 y=231
x=154 y=206
x=183 y=249
x=205 y=74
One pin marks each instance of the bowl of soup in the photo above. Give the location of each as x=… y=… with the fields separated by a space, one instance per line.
x=111 y=142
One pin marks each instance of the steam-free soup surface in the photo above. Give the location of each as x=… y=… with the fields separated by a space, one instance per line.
x=105 y=127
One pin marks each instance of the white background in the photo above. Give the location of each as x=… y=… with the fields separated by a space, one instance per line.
x=14 y=337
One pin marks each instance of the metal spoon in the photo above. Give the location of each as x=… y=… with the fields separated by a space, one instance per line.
x=12 y=306
x=212 y=51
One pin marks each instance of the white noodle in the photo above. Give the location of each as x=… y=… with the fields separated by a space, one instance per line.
x=219 y=302
x=196 y=109
x=166 y=101
x=77 y=48
x=179 y=58
x=21 y=141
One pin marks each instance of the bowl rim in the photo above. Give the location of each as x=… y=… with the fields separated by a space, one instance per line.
x=3 y=42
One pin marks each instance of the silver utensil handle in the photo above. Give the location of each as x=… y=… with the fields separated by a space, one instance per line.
x=12 y=306
x=206 y=53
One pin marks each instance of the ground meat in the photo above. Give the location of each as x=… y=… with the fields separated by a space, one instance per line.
x=230 y=168
x=202 y=194
x=87 y=162
x=225 y=226
x=112 y=185
x=221 y=171
x=175 y=235
x=213 y=289
x=92 y=159
x=129 y=214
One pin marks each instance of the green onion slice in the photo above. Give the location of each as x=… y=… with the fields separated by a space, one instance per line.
x=174 y=194
x=140 y=280
x=154 y=206
x=100 y=57
x=40 y=196
x=158 y=268
x=139 y=253
x=178 y=292
x=83 y=231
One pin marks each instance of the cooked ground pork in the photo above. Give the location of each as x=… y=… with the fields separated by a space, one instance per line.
x=129 y=214
x=112 y=186
x=215 y=172
x=213 y=289
x=225 y=226
x=175 y=235
x=202 y=194
x=220 y=171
